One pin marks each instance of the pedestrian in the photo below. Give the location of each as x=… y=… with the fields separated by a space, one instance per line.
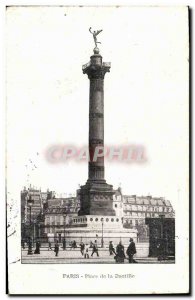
x=86 y=251
x=95 y=249
x=37 y=248
x=29 y=243
x=160 y=251
x=74 y=244
x=82 y=247
x=56 y=248
x=120 y=254
x=49 y=246
x=64 y=244
x=131 y=250
x=111 y=248
x=23 y=244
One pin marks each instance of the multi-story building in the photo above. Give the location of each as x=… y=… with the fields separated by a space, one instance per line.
x=32 y=215
x=137 y=208
x=54 y=214
x=72 y=204
x=39 y=202
x=118 y=203
x=55 y=221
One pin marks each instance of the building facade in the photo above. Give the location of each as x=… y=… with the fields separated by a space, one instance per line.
x=51 y=216
x=137 y=208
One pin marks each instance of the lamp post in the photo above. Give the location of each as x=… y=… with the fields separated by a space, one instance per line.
x=30 y=203
x=102 y=241
x=39 y=231
x=34 y=231
x=23 y=230
x=64 y=241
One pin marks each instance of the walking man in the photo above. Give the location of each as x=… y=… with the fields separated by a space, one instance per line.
x=131 y=250
x=95 y=249
x=86 y=251
x=82 y=247
x=64 y=244
x=49 y=246
x=111 y=248
x=56 y=249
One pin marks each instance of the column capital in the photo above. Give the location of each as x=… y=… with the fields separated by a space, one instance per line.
x=96 y=68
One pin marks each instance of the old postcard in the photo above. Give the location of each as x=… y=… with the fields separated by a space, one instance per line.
x=97 y=149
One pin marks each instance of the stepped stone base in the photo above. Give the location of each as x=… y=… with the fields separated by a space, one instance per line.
x=101 y=228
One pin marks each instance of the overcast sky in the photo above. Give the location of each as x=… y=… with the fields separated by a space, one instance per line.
x=146 y=95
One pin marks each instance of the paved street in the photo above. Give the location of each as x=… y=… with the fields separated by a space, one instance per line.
x=74 y=256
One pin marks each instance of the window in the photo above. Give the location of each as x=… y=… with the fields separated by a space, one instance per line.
x=96 y=219
x=91 y=219
x=115 y=205
x=107 y=219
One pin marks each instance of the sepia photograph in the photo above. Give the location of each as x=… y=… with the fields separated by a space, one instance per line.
x=97 y=149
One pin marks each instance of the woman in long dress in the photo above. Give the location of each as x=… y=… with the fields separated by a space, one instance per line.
x=120 y=253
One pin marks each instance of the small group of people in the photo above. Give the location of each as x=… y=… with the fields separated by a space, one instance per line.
x=73 y=244
x=84 y=248
x=30 y=244
x=120 y=252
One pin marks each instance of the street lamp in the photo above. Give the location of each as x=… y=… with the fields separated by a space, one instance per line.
x=39 y=234
x=102 y=241
x=34 y=231
x=30 y=203
x=64 y=241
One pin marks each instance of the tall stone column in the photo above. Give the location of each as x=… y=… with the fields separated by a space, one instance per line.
x=96 y=71
x=96 y=196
